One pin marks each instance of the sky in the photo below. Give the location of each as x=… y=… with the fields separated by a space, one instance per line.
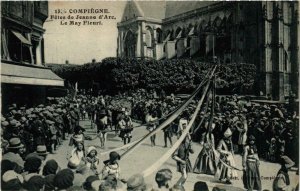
x=81 y=44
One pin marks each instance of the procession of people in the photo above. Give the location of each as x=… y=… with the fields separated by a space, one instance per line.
x=239 y=126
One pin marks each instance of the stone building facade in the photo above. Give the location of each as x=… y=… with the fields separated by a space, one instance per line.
x=24 y=78
x=262 y=33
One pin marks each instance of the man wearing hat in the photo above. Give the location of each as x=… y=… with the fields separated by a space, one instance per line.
x=11 y=181
x=15 y=150
x=38 y=130
x=52 y=135
x=59 y=126
x=282 y=180
x=41 y=152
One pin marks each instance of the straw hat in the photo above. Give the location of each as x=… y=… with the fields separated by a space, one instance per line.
x=15 y=143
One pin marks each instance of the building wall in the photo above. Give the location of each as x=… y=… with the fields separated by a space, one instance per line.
x=22 y=35
x=278 y=45
x=144 y=37
x=26 y=18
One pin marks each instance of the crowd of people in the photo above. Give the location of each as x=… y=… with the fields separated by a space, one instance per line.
x=238 y=126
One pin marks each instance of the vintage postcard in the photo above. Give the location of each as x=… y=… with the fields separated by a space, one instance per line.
x=149 y=95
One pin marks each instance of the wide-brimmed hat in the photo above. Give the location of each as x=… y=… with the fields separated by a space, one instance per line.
x=114 y=156
x=51 y=109
x=23 y=119
x=59 y=110
x=15 y=143
x=41 y=150
x=13 y=123
x=4 y=124
x=34 y=116
x=40 y=106
x=11 y=175
x=49 y=122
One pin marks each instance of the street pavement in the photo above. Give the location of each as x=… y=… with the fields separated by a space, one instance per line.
x=145 y=155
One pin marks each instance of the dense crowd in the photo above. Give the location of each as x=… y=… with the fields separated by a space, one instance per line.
x=123 y=74
x=241 y=126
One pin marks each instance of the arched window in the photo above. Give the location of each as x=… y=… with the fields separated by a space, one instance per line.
x=130 y=44
x=159 y=35
x=148 y=37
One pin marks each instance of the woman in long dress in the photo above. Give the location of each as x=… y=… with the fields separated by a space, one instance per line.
x=251 y=175
x=206 y=160
x=225 y=171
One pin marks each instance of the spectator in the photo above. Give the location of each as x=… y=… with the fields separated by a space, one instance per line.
x=51 y=167
x=15 y=150
x=137 y=183
x=87 y=185
x=32 y=167
x=11 y=181
x=35 y=183
x=200 y=186
x=49 y=182
x=63 y=179
x=111 y=166
x=163 y=178
x=282 y=180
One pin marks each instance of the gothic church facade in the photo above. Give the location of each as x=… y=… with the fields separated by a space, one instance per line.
x=262 y=33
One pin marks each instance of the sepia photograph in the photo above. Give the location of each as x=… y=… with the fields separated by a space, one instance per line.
x=141 y=95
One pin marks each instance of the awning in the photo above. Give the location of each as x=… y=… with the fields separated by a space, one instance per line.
x=16 y=74
x=21 y=37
